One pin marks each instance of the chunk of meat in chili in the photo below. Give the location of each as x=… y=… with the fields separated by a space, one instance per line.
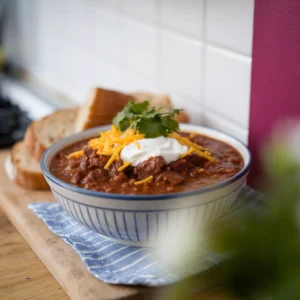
x=99 y=161
x=96 y=175
x=119 y=177
x=170 y=177
x=76 y=177
x=89 y=152
x=181 y=165
x=195 y=159
x=84 y=163
x=113 y=169
x=92 y=159
x=153 y=166
x=73 y=164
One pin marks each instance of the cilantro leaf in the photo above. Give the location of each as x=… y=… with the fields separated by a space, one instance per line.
x=138 y=108
x=150 y=122
x=174 y=111
x=169 y=125
x=150 y=113
x=151 y=127
x=122 y=119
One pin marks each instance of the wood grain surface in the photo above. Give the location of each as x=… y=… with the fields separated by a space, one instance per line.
x=24 y=276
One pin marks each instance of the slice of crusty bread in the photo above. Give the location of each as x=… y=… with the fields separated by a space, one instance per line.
x=22 y=169
x=159 y=101
x=43 y=133
x=100 y=108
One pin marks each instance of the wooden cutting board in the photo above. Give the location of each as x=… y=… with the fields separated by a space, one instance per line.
x=61 y=260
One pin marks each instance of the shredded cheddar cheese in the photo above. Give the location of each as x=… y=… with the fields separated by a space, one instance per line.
x=144 y=180
x=76 y=154
x=191 y=150
x=203 y=171
x=111 y=143
x=184 y=141
x=113 y=157
x=137 y=144
x=205 y=155
x=124 y=166
x=196 y=148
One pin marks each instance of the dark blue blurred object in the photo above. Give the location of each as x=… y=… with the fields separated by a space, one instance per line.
x=13 y=123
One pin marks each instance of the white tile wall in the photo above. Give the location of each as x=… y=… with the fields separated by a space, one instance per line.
x=220 y=123
x=231 y=97
x=108 y=3
x=230 y=24
x=181 y=65
x=12 y=44
x=24 y=23
x=184 y=16
x=75 y=13
x=197 y=51
x=52 y=18
x=142 y=10
x=105 y=38
x=138 y=48
x=128 y=81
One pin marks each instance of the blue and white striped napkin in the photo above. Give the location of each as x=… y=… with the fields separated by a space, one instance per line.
x=110 y=262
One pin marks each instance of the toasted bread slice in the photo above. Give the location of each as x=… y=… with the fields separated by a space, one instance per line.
x=159 y=101
x=25 y=171
x=100 y=108
x=43 y=133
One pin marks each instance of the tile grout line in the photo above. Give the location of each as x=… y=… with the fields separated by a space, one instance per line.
x=228 y=52
x=204 y=64
x=181 y=34
x=216 y=114
x=159 y=48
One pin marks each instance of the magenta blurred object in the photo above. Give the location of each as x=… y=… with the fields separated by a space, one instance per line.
x=275 y=91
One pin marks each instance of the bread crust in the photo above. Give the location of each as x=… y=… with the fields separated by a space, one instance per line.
x=33 y=180
x=35 y=147
x=182 y=117
x=102 y=105
x=159 y=100
x=100 y=108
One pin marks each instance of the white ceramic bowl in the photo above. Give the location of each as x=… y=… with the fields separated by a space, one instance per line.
x=146 y=220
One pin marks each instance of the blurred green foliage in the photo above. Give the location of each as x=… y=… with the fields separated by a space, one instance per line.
x=263 y=243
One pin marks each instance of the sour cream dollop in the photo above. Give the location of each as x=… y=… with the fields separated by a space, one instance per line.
x=169 y=148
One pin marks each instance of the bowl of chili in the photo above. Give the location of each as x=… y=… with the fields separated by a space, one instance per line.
x=142 y=214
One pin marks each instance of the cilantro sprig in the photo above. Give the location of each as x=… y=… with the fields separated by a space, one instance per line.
x=150 y=122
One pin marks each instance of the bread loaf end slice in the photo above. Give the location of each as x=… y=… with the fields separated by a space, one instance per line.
x=23 y=170
x=159 y=101
x=42 y=134
x=100 y=108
